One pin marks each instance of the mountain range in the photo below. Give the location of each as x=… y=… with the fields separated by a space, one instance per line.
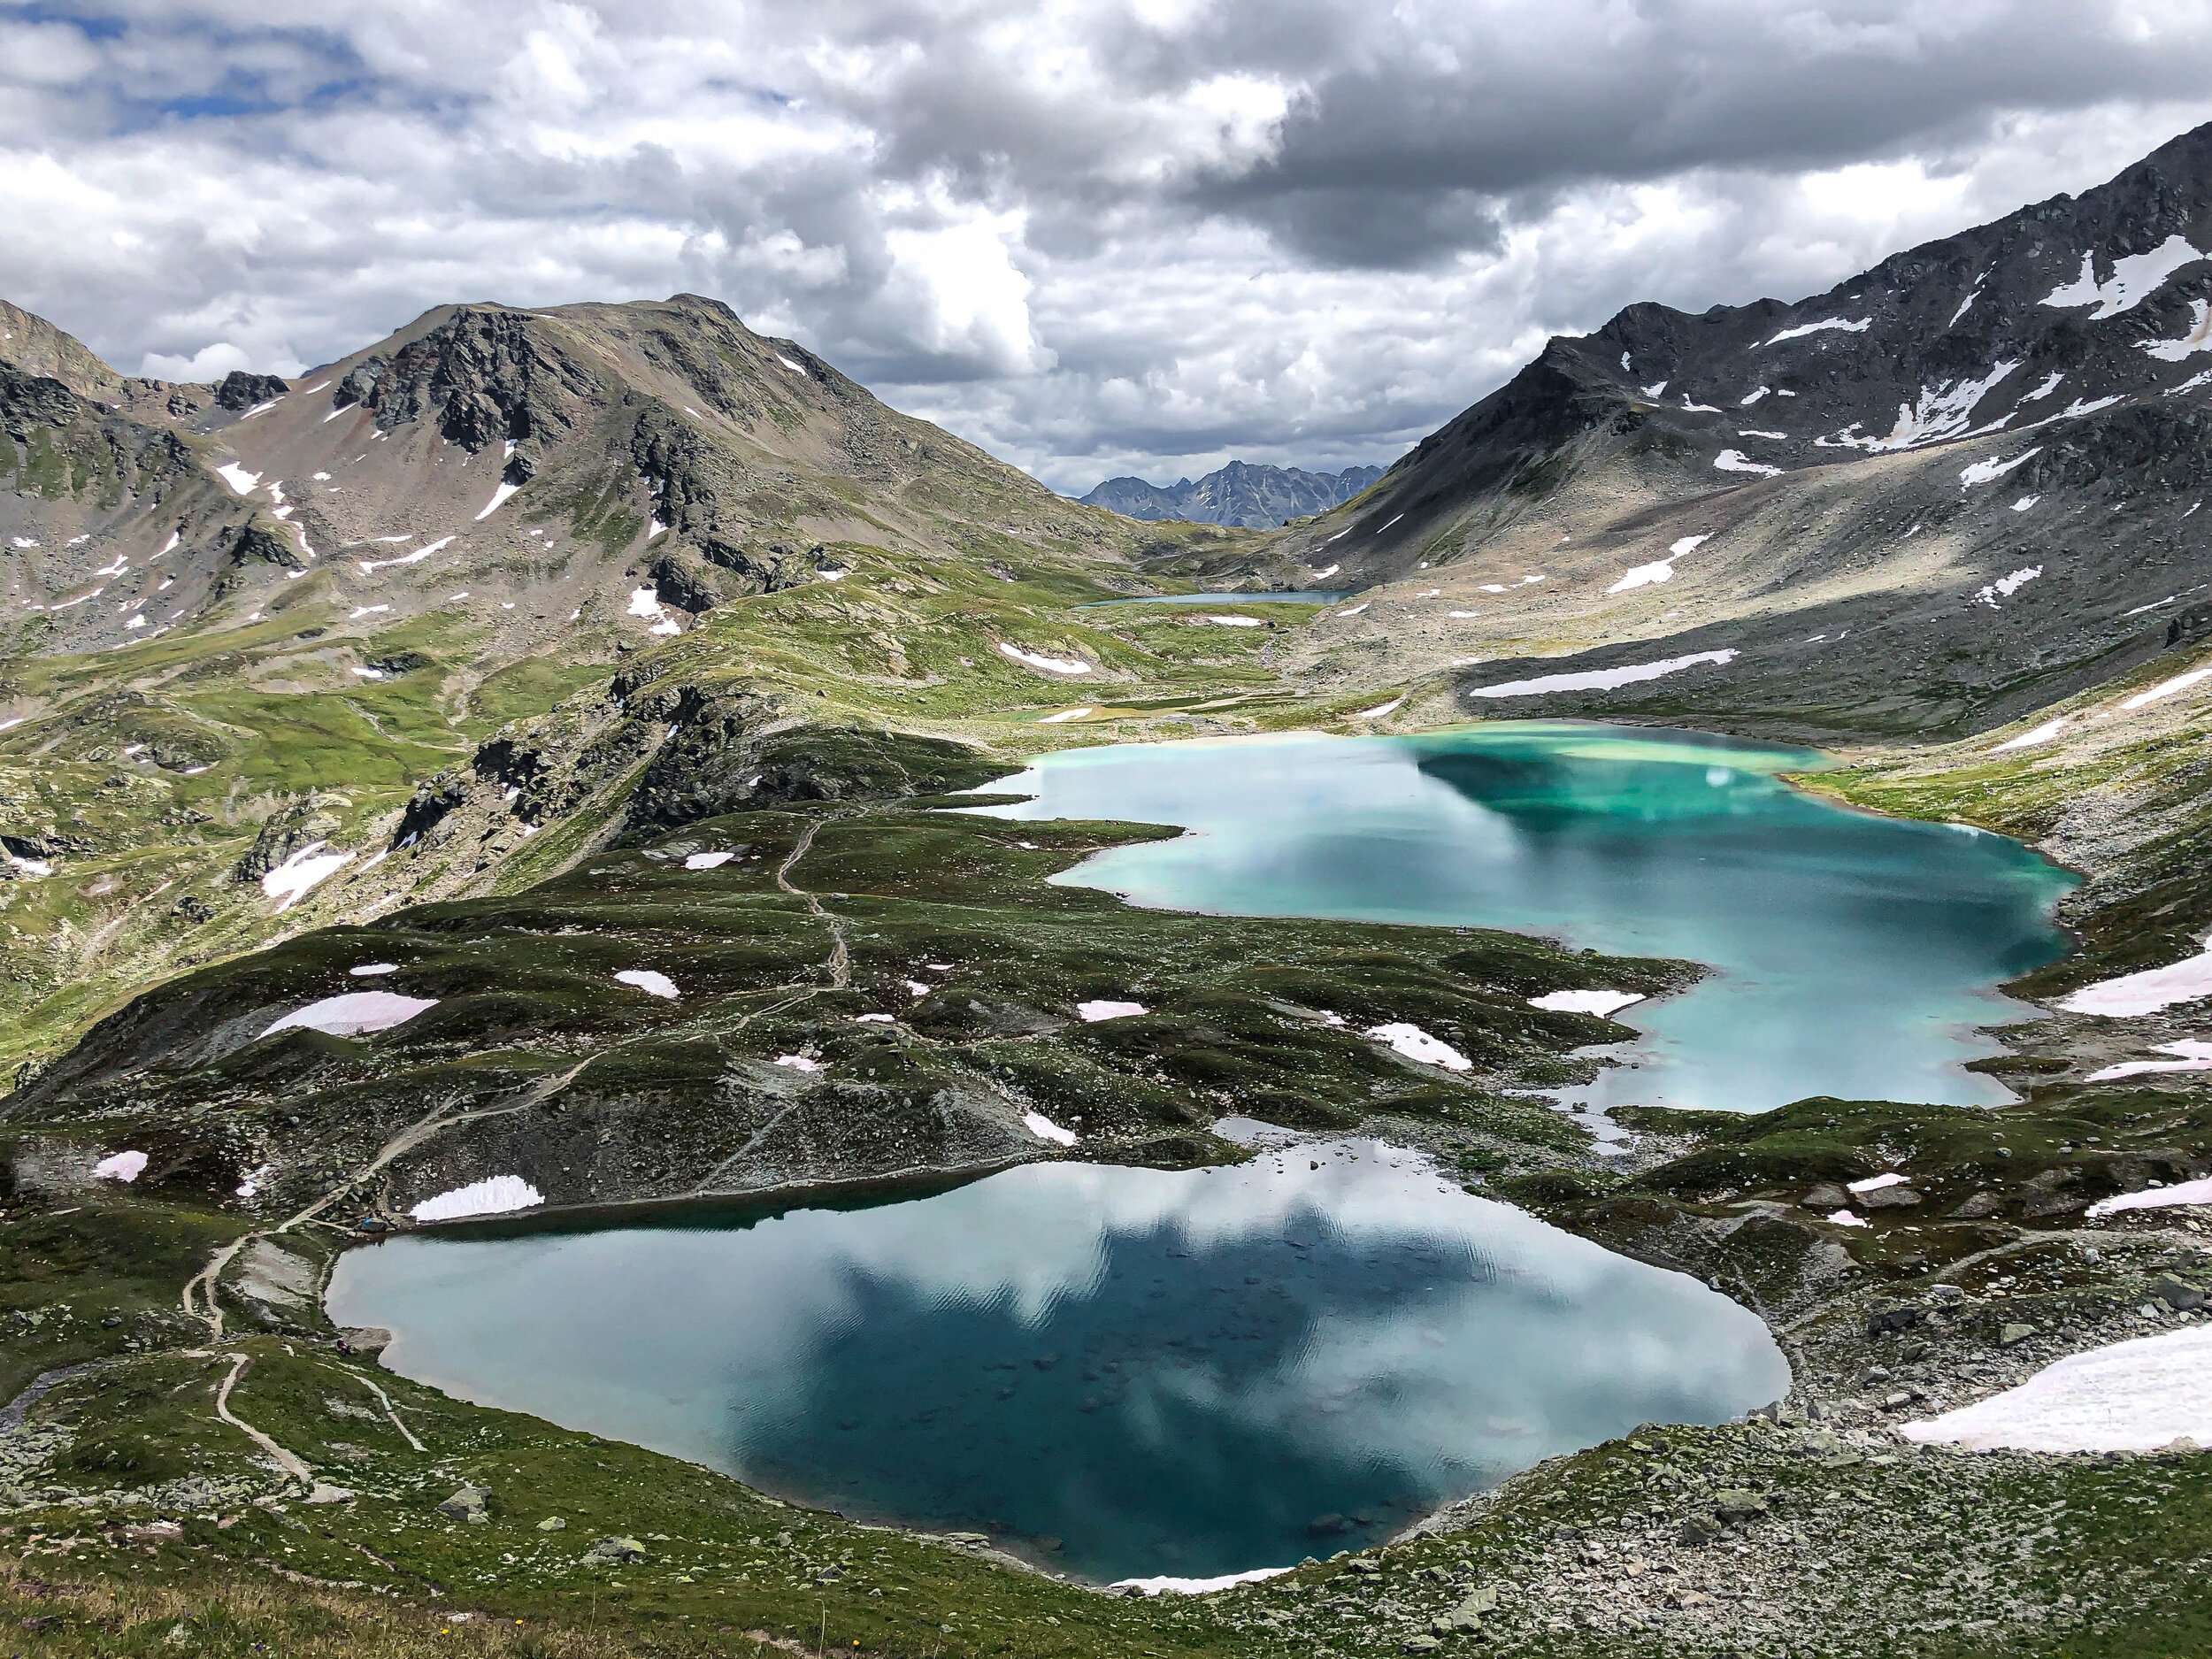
x=1256 y=497
x=456 y=682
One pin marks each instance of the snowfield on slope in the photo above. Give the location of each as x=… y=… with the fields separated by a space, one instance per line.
x=2132 y=1396
x=1600 y=678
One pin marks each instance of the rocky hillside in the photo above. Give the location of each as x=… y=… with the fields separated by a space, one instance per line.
x=276 y=654
x=1956 y=488
x=1257 y=497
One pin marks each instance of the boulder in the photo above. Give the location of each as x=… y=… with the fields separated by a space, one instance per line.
x=2177 y=1294
x=1890 y=1198
x=1886 y=1318
x=470 y=1503
x=1826 y=1197
x=2013 y=1335
x=619 y=1549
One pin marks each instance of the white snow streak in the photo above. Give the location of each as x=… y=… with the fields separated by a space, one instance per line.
x=2005 y=586
x=2167 y=687
x=1736 y=461
x=2156 y=1197
x=290 y=880
x=238 y=478
x=499 y=498
x=2147 y=992
x=1417 y=1045
x=2133 y=1396
x=1989 y=471
x=1644 y=575
x=1600 y=679
x=2042 y=734
x=416 y=558
x=2134 y=279
x=496 y=1196
x=650 y=982
x=354 y=1013
x=1045 y=665
x=1802 y=329
x=1045 y=1129
x=1106 y=1007
x=2196 y=1056
x=2199 y=337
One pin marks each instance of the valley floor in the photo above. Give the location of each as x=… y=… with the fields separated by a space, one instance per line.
x=194 y=1460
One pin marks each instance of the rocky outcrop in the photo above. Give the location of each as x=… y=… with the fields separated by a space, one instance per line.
x=242 y=390
x=485 y=377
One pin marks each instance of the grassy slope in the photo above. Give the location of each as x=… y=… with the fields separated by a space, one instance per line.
x=908 y=642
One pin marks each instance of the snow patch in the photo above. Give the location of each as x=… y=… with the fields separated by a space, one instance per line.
x=1966 y=305
x=416 y=558
x=1844 y=1219
x=1746 y=403
x=2198 y=338
x=2167 y=687
x=498 y=1195
x=290 y=880
x=1416 y=1044
x=1655 y=389
x=2133 y=1396
x=238 y=478
x=1106 y=1007
x=2157 y=1197
x=1233 y=622
x=498 y=500
x=1064 y=716
x=1989 y=471
x=1045 y=1129
x=708 y=860
x=2196 y=1056
x=353 y=1013
x=1197 y=1586
x=1355 y=610
x=2134 y=279
x=2042 y=734
x=372 y=969
x=1802 y=329
x=650 y=982
x=1381 y=708
x=1600 y=679
x=796 y=368
x=121 y=1166
x=2050 y=385
x=1599 y=1003
x=797 y=1063
x=2005 y=586
x=2023 y=504
x=1736 y=461
x=2147 y=992
x=1662 y=570
x=1045 y=665
x=1876 y=1183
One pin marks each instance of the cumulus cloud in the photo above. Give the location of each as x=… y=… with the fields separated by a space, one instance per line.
x=1108 y=236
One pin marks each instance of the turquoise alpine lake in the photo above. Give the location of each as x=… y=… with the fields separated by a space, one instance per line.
x=1851 y=954
x=1117 y=1372
x=1129 y=1372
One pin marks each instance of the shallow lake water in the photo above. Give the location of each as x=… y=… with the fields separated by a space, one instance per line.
x=1854 y=955
x=1116 y=1372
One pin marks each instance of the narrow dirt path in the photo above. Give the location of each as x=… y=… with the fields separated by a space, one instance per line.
x=839 y=964
x=286 y=1460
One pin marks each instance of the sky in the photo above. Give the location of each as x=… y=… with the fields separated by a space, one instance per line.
x=1095 y=236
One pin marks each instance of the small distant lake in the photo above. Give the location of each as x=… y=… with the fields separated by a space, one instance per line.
x=1303 y=598
x=1117 y=1373
x=1854 y=955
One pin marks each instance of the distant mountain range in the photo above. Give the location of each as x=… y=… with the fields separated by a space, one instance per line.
x=1255 y=497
